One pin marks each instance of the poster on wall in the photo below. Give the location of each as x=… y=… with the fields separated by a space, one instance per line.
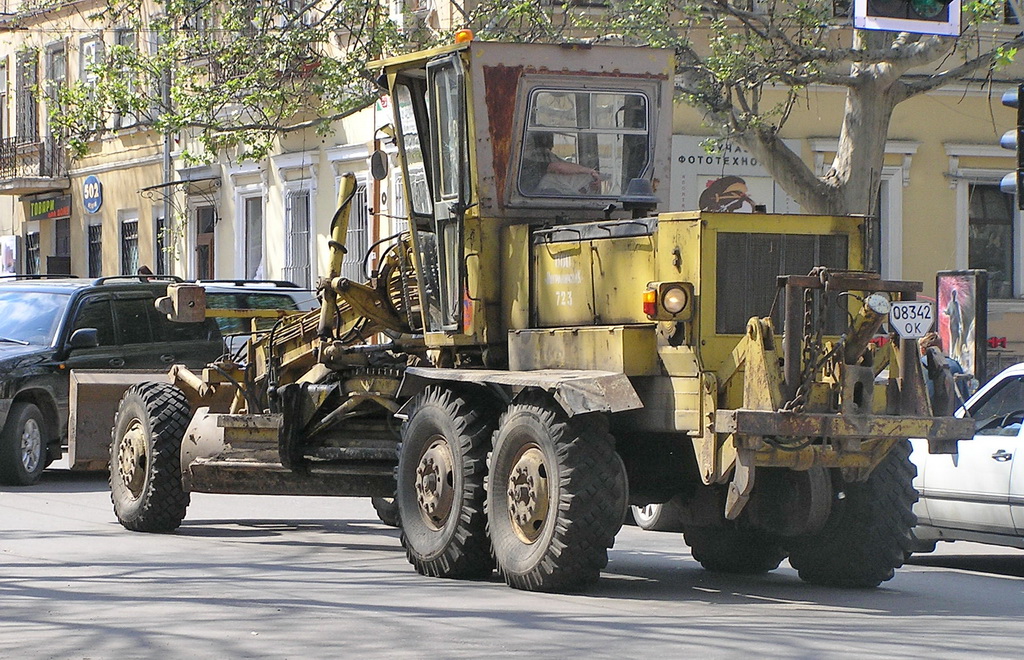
x=962 y=302
x=8 y=255
x=730 y=180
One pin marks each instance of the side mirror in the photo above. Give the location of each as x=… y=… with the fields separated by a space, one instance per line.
x=84 y=338
x=379 y=165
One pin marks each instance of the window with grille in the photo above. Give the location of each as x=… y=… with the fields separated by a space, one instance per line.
x=129 y=246
x=297 y=266
x=26 y=106
x=32 y=253
x=95 y=250
x=990 y=237
x=253 y=208
x=357 y=239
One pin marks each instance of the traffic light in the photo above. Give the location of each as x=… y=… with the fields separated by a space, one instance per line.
x=918 y=16
x=1013 y=183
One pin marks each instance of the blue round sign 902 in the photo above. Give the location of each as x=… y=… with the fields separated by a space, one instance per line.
x=92 y=194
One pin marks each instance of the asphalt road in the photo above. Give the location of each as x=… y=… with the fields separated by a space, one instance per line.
x=285 y=577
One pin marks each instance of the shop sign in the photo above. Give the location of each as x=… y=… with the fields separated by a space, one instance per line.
x=92 y=194
x=50 y=209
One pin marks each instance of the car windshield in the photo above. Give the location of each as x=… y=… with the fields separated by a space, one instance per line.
x=30 y=317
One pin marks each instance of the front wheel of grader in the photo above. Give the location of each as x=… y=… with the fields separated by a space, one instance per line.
x=145 y=458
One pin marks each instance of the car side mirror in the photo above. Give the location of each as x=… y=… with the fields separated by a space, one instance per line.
x=84 y=338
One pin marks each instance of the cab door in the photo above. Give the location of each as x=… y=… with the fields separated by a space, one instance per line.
x=446 y=81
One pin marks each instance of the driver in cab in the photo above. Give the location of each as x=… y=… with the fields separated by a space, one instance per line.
x=545 y=173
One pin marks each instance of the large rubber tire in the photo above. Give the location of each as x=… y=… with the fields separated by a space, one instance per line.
x=145 y=458
x=440 y=495
x=732 y=549
x=659 y=517
x=387 y=510
x=868 y=534
x=556 y=496
x=23 y=446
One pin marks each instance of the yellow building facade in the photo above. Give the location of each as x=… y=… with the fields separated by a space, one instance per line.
x=133 y=201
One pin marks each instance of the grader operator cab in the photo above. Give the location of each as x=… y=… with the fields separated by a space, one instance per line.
x=555 y=352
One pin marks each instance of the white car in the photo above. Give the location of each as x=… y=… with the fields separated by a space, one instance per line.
x=977 y=494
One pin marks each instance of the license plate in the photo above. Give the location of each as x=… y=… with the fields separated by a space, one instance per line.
x=912 y=318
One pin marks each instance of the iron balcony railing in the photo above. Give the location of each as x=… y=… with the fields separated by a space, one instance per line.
x=32 y=157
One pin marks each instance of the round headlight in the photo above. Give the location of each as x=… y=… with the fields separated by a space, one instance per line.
x=674 y=300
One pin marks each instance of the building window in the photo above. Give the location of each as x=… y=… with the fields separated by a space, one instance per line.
x=62 y=237
x=357 y=239
x=990 y=237
x=126 y=116
x=4 y=128
x=27 y=109
x=159 y=242
x=90 y=58
x=253 y=262
x=297 y=248
x=56 y=77
x=95 y=250
x=129 y=246
x=205 y=222
x=32 y=253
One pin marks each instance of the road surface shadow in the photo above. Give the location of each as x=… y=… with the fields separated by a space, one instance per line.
x=1010 y=565
x=64 y=481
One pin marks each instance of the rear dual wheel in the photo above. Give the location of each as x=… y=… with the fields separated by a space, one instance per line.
x=556 y=496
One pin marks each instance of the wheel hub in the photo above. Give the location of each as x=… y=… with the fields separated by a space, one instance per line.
x=435 y=491
x=528 y=495
x=132 y=458
x=31 y=445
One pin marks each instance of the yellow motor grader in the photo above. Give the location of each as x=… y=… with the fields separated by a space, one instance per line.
x=542 y=349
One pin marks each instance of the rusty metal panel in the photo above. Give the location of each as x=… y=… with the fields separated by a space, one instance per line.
x=577 y=391
x=631 y=350
x=93 y=400
x=801 y=425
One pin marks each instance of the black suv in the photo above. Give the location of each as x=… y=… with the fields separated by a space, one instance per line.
x=50 y=326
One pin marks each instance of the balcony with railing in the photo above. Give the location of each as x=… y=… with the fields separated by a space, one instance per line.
x=32 y=165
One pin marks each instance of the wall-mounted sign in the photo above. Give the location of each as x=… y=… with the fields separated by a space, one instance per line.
x=730 y=179
x=50 y=209
x=92 y=194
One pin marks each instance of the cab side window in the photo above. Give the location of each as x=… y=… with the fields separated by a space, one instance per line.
x=96 y=313
x=133 y=320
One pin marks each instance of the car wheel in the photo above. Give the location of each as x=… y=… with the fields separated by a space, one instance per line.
x=659 y=517
x=22 y=446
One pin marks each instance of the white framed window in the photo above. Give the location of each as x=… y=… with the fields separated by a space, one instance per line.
x=357 y=240
x=251 y=245
x=202 y=217
x=298 y=237
x=56 y=77
x=126 y=117
x=4 y=100
x=26 y=105
x=988 y=231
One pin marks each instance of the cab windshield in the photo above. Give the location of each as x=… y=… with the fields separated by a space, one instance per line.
x=583 y=143
x=30 y=317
